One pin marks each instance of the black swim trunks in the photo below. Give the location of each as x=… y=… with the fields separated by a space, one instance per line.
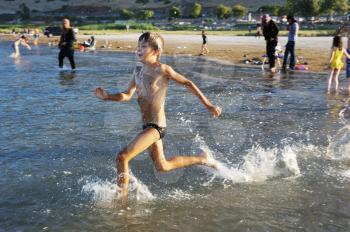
x=161 y=130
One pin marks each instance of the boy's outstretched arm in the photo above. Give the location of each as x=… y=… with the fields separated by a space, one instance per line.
x=123 y=96
x=215 y=110
x=26 y=45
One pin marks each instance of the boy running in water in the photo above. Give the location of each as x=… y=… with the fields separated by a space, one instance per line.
x=151 y=83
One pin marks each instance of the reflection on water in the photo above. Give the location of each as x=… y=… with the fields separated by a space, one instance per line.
x=67 y=77
x=281 y=142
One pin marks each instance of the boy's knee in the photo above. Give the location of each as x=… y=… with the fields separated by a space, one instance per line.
x=122 y=156
x=162 y=167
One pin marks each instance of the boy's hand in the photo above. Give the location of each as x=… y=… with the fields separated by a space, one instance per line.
x=215 y=111
x=101 y=93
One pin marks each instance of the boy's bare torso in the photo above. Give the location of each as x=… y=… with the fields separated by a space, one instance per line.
x=151 y=88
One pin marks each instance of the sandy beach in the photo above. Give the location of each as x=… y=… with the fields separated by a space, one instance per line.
x=229 y=49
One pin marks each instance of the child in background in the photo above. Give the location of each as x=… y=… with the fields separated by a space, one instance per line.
x=36 y=36
x=151 y=83
x=346 y=28
x=23 y=40
x=336 y=63
x=204 y=50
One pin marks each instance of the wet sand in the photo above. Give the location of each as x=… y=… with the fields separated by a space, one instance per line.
x=229 y=49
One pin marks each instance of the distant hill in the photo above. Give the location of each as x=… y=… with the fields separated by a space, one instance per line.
x=11 y=6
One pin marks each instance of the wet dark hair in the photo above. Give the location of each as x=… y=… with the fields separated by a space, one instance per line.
x=24 y=37
x=154 y=39
x=337 y=43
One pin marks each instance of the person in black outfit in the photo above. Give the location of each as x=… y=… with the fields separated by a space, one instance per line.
x=204 y=50
x=270 y=32
x=66 y=44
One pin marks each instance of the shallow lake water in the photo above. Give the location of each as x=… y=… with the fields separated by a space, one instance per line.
x=282 y=143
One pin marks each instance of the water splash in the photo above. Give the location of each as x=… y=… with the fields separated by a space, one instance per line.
x=106 y=192
x=258 y=165
x=339 y=145
x=344 y=115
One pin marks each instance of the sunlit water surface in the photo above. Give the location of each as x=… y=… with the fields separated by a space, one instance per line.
x=282 y=144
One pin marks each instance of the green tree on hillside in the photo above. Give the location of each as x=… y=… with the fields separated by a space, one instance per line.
x=239 y=11
x=223 y=12
x=174 y=12
x=272 y=10
x=145 y=14
x=283 y=10
x=329 y=7
x=196 y=10
x=127 y=14
x=306 y=8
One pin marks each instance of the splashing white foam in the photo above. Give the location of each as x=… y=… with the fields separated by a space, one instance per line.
x=339 y=145
x=104 y=191
x=179 y=194
x=258 y=165
x=101 y=190
x=344 y=115
x=345 y=174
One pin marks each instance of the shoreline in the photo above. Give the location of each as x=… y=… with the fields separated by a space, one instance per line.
x=228 y=50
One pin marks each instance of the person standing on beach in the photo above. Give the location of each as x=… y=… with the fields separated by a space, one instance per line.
x=204 y=50
x=150 y=81
x=293 y=28
x=66 y=44
x=270 y=32
x=36 y=36
x=335 y=62
x=346 y=28
x=258 y=31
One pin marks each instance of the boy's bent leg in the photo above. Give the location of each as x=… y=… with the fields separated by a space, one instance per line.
x=138 y=145
x=175 y=162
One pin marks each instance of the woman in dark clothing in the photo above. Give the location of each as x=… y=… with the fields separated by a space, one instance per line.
x=66 y=44
x=270 y=32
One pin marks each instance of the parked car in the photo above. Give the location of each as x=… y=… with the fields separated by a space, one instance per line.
x=52 y=31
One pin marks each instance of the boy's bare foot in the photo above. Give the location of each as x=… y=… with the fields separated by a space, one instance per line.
x=208 y=160
x=122 y=197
